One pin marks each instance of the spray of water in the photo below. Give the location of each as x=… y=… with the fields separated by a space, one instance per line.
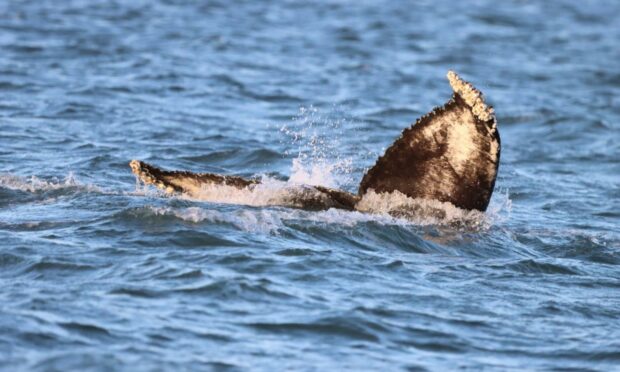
x=315 y=142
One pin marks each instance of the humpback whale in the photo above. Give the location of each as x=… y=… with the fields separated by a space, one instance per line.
x=450 y=155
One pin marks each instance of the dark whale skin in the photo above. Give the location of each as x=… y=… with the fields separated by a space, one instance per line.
x=420 y=164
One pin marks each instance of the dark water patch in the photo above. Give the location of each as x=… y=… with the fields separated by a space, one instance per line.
x=87 y=330
x=228 y=80
x=58 y=266
x=448 y=346
x=612 y=214
x=339 y=327
x=26 y=49
x=396 y=264
x=8 y=260
x=215 y=337
x=196 y=239
x=233 y=157
x=536 y=267
x=99 y=161
x=295 y=252
x=395 y=112
x=77 y=360
x=223 y=366
x=213 y=157
x=277 y=96
x=171 y=334
x=8 y=86
x=401 y=238
x=10 y=196
x=187 y=274
x=495 y=19
x=235 y=288
x=232 y=258
x=137 y=292
x=40 y=339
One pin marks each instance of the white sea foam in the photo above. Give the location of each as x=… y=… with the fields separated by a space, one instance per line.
x=34 y=184
x=265 y=221
x=318 y=174
x=392 y=209
x=272 y=221
x=269 y=192
x=385 y=209
x=420 y=211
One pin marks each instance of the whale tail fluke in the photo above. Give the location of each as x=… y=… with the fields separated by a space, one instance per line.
x=450 y=154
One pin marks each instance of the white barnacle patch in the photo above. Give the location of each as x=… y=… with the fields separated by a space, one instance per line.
x=461 y=145
x=472 y=96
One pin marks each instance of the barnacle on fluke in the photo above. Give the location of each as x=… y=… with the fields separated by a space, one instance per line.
x=450 y=155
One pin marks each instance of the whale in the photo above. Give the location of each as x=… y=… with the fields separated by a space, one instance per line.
x=450 y=155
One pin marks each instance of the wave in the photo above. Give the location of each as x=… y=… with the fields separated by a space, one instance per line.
x=33 y=184
x=420 y=211
x=314 y=138
x=389 y=208
x=265 y=221
x=382 y=209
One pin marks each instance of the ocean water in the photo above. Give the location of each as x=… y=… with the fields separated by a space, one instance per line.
x=98 y=272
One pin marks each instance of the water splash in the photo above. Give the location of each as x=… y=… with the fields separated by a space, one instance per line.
x=273 y=221
x=421 y=211
x=316 y=138
x=500 y=207
x=33 y=184
x=264 y=221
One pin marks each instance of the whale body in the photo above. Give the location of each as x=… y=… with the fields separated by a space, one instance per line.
x=449 y=155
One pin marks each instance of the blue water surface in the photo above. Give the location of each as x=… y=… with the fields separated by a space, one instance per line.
x=97 y=273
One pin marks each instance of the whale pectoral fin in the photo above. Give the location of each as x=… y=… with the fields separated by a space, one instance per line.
x=183 y=181
x=450 y=154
